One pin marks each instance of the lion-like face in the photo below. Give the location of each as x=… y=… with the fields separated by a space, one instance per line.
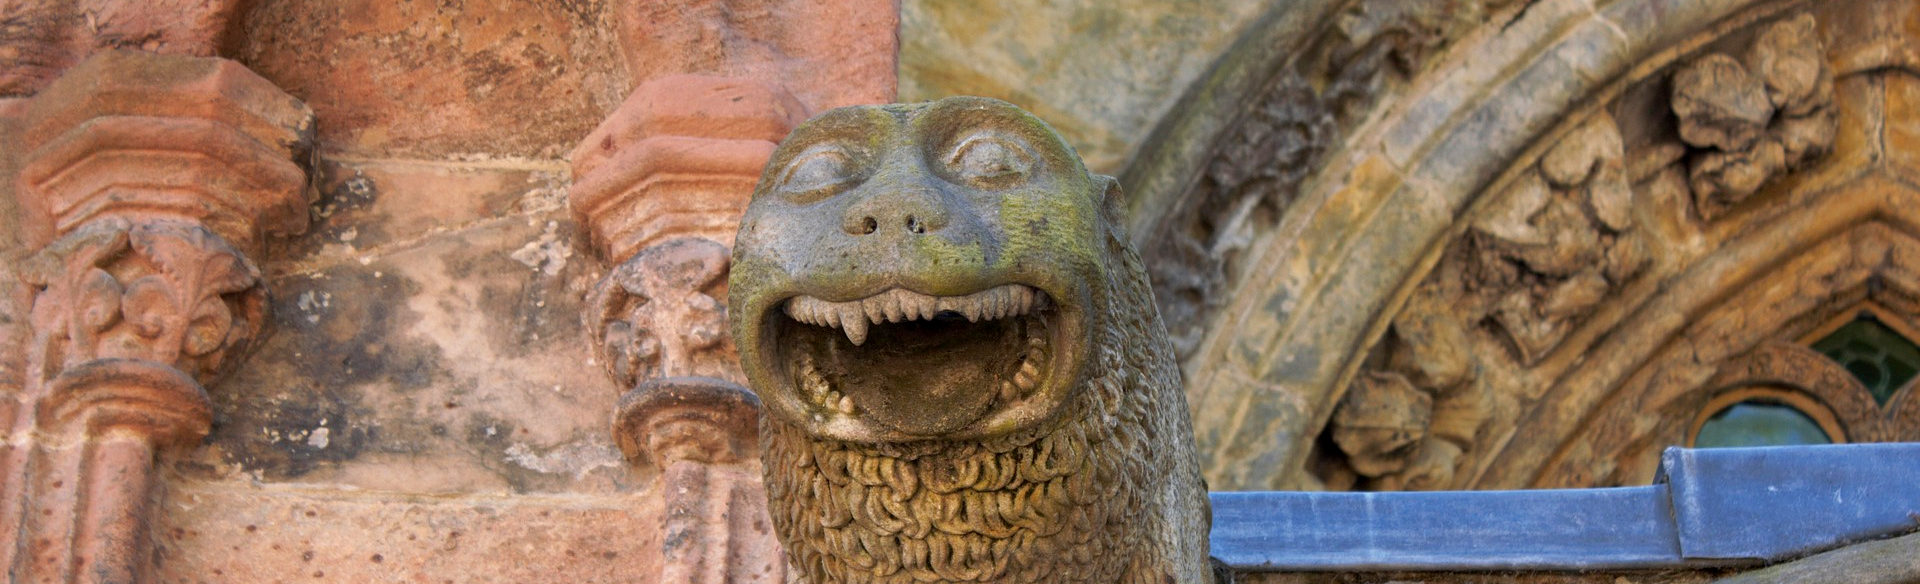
x=916 y=272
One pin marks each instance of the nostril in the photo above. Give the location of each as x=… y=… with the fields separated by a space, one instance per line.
x=915 y=226
x=869 y=225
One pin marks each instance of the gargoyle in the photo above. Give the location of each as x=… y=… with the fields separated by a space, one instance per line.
x=964 y=375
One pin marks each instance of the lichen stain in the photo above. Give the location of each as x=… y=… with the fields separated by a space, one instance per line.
x=302 y=402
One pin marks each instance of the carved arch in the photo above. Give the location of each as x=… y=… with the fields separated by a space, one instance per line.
x=1315 y=298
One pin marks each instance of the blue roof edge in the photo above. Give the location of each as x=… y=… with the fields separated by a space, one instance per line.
x=1709 y=507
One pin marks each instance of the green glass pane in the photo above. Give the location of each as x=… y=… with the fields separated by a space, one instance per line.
x=1880 y=358
x=1759 y=423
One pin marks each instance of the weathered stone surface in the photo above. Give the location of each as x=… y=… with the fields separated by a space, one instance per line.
x=473 y=80
x=39 y=39
x=225 y=531
x=379 y=375
x=828 y=53
x=1100 y=72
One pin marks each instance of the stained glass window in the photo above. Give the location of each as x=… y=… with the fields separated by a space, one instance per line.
x=1759 y=422
x=1880 y=358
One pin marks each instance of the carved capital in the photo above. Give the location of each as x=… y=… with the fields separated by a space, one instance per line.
x=141 y=137
x=662 y=313
x=688 y=419
x=147 y=179
x=678 y=159
x=166 y=292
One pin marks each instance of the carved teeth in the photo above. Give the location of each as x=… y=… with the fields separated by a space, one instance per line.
x=1027 y=374
x=854 y=325
x=897 y=305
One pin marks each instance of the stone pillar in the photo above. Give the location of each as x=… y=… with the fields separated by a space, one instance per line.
x=147 y=182
x=660 y=187
x=697 y=431
x=662 y=184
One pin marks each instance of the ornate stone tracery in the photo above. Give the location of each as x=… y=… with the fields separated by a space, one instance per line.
x=1287 y=130
x=1536 y=304
x=1486 y=236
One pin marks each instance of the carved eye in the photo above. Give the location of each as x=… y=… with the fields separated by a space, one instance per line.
x=990 y=160
x=817 y=173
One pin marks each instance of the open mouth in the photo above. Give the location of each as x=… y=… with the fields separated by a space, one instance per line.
x=915 y=364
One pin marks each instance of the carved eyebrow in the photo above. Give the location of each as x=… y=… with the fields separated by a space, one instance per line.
x=935 y=126
x=818 y=170
x=1017 y=155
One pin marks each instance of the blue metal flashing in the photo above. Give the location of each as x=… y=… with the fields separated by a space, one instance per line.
x=1777 y=503
x=1717 y=507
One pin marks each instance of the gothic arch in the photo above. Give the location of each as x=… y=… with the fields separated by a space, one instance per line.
x=1309 y=245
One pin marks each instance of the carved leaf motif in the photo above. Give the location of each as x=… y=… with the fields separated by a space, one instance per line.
x=1434 y=350
x=208 y=327
x=707 y=326
x=155 y=291
x=1719 y=104
x=1806 y=137
x=99 y=300
x=655 y=310
x=148 y=305
x=1381 y=422
x=1750 y=122
x=1512 y=218
x=1790 y=57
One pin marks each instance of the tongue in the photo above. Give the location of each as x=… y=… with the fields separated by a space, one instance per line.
x=926 y=396
x=928 y=377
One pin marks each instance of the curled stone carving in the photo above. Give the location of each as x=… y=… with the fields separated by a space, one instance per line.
x=1559 y=240
x=660 y=313
x=1258 y=166
x=1405 y=424
x=1753 y=118
x=963 y=388
x=168 y=292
